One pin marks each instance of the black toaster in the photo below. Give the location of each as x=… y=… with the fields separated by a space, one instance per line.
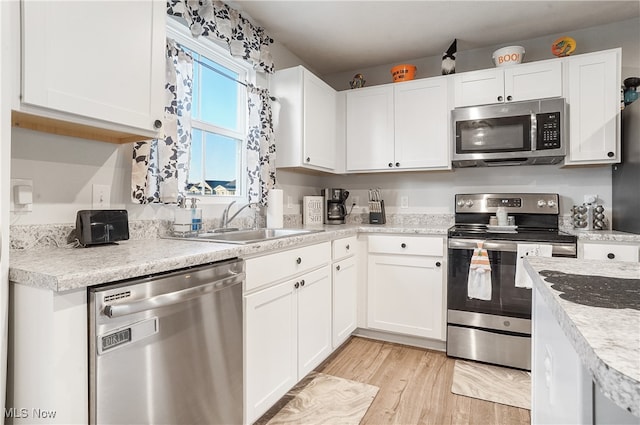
x=95 y=227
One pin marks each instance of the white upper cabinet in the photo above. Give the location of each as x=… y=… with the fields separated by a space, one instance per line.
x=535 y=80
x=399 y=126
x=305 y=120
x=370 y=128
x=94 y=63
x=422 y=124
x=593 y=96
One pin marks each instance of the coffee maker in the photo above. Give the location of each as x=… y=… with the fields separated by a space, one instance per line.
x=336 y=209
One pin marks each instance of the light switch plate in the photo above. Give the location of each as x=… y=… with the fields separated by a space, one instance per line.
x=101 y=196
x=404 y=202
x=26 y=186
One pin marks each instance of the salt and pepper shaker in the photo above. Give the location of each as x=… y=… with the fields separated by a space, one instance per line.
x=588 y=217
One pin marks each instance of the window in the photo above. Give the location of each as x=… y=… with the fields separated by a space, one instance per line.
x=218 y=123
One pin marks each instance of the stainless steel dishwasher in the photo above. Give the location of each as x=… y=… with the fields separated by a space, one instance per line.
x=167 y=349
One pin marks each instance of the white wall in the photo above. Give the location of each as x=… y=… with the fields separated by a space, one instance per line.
x=432 y=192
x=625 y=34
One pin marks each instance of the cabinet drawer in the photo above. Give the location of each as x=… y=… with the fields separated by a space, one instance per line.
x=410 y=245
x=270 y=268
x=343 y=247
x=594 y=251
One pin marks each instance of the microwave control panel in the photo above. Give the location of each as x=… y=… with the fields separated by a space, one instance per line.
x=548 y=131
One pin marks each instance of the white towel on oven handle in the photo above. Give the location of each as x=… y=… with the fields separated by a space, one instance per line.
x=528 y=250
x=479 y=281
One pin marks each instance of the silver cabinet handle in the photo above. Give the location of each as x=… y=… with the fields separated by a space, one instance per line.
x=164 y=300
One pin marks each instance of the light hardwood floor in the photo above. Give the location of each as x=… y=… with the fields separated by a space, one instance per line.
x=415 y=386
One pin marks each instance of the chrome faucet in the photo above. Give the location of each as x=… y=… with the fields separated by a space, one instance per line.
x=225 y=214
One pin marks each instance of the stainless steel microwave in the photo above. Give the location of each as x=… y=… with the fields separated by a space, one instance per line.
x=519 y=133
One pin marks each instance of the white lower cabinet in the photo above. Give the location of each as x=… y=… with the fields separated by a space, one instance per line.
x=563 y=390
x=287 y=328
x=270 y=346
x=561 y=385
x=47 y=356
x=609 y=251
x=314 y=320
x=345 y=289
x=406 y=285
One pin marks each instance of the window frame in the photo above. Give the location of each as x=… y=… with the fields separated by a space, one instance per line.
x=219 y=54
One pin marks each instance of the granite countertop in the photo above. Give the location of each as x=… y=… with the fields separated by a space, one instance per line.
x=604 y=235
x=597 y=304
x=64 y=269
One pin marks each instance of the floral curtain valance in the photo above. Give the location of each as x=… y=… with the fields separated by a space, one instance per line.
x=161 y=166
x=217 y=21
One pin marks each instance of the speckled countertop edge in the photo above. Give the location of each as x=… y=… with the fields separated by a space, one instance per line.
x=65 y=269
x=607 y=340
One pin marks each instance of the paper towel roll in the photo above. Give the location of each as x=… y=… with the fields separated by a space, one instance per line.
x=275 y=207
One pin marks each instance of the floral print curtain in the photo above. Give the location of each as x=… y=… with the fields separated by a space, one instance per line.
x=217 y=21
x=261 y=148
x=161 y=166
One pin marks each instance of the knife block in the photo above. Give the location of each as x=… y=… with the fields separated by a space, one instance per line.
x=378 y=217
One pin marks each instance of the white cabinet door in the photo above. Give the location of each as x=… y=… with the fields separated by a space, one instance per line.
x=528 y=81
x=304 y=120
x=405 y=295
x=271 y=344
x=422 y=124
x=345 y=285
x=77 y=60
x=370 y=129
x=319 y=123
x=314 y=319
x=478 y=87
x=536 y=80
x=594 y=108
x=615 y=252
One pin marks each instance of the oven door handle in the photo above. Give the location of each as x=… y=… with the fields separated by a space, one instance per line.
x=486 y=244
x=558 y=248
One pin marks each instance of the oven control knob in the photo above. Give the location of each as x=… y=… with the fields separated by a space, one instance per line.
x=541 y=203
x=551 y=203
x=469 y=203
x=461 y=203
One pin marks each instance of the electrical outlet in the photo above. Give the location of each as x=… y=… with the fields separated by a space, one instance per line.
x=101 y=196
x=21 y=195
x=404 y=202
x=590 y=199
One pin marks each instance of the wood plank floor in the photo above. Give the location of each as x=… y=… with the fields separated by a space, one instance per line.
x=415 y=386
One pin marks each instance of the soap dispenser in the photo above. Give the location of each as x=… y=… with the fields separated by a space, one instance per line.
x=182 y=219
x=196 y=216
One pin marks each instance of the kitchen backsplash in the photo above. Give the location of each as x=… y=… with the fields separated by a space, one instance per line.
x=55 y=235
x=36 y=236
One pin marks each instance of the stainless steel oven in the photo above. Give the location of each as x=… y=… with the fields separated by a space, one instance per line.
x=497 y=329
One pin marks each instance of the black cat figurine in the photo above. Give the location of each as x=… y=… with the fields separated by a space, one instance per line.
x=449 y=59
